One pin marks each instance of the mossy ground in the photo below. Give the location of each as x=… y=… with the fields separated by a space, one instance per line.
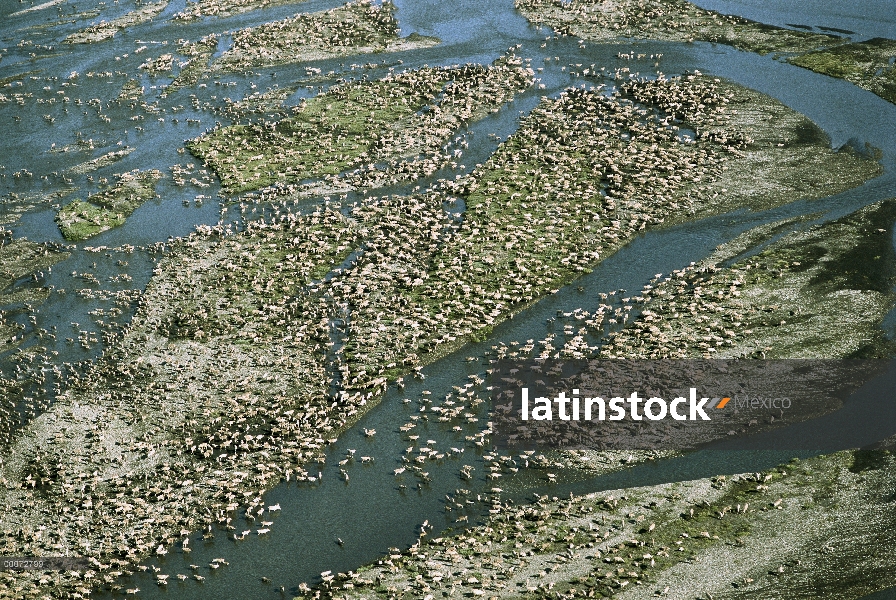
x=104 y=30
x=81 y=220
x=673 y=20
x=867 y=64
x=102 y=161
x=109 y=208
x=358 y=125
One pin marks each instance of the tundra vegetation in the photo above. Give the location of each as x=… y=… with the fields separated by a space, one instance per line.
x=359 y=27
x=868 y=64
x=238 y=326
x=108 y=208
x=105 y=30
x=358 y=125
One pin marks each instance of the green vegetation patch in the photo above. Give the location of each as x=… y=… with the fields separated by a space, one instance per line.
x=130 y=191
x=330 y=134
x=81 y=220
x=868 y=262
x=354 y=28
x=358 y=124
x=868 y=64
x=109 y=208
x=105 y=30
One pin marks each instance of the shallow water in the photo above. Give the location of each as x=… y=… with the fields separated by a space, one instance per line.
x=866 y=18
x=371 y=512
x=302 y=542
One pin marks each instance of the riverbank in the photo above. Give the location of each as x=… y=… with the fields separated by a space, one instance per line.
x=870 y=64
x=867 y=64
x=359 y=27
x=815 y=293
x=804 y=529
x=678 y=540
